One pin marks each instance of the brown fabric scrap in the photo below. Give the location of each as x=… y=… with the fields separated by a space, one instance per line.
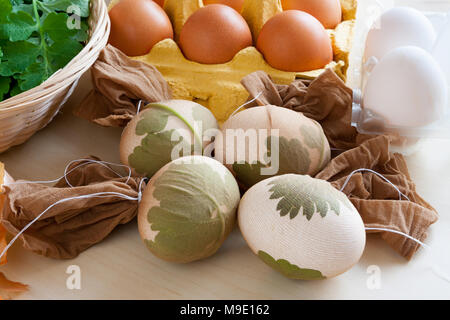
x=376 y=200
x=326 y=99
x=73 y=226
x=119 y=84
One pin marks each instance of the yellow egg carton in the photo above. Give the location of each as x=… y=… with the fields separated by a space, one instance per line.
x=218 y=86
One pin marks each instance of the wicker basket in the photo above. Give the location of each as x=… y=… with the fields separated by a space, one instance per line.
x=22 y=115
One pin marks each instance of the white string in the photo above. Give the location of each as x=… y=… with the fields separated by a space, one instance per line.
x=400 y=233
x=246 y=104
x=400 y=198
x=139 y=106
x=378 y=174
x=434 y=268
x=85 y=162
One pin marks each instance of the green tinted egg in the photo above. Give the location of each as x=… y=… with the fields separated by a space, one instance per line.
x=188 y=209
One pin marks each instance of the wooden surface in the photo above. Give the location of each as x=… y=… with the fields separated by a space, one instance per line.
x=121 y=267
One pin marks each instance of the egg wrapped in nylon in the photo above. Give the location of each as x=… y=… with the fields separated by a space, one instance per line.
x=302 y=227
x=165 y=131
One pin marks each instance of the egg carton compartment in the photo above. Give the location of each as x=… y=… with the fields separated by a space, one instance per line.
x=368 y=122
x=218 y=86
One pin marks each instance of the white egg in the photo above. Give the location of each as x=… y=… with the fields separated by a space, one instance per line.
x=406 y=88
x=397 y=27
x=441 y=51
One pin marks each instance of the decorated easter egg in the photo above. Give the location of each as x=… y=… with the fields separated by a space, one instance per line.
x=398 y=27
x=406 y=89
x=261 y=142
x=188 y=209
x=302 y=227
x=163 y=132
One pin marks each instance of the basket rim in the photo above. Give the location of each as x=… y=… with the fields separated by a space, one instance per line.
x=74 y=69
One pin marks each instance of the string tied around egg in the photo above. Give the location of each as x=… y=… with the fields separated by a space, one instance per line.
x=246 y=104
x=105 y=194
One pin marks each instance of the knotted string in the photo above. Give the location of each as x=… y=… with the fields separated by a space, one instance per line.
x=86 y=196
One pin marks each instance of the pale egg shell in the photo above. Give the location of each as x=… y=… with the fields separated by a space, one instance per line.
x=441 y=50
x=302 y=227
x=406 y=88
x=149 y=138
x=397 y=27
x=303 y=147
x=295 y=41
x=328 y=12
x=214 y=34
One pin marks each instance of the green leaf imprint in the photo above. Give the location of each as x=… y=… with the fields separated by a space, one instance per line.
x=303 y=193
x=195 y=214
x=316 y=141
x=293 y=158
x=156 y=148
x=290 y=270
x=249 y=174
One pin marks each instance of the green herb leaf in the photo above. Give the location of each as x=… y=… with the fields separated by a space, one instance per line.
x=78 y=7
x=20 y=26
x=55 y=25
x=4 y=86
x=17 y=56
x=5 y=10
x=36 y=40
x=34 y=75
x=60 y=53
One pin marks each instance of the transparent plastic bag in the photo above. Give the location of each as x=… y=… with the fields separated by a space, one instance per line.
x=367 y=121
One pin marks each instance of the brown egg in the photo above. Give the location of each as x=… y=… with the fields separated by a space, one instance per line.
x=160 y=2
x=295 y=41
x=328 y=12
x=235 y=4
x=214 y=34
x=137 y=25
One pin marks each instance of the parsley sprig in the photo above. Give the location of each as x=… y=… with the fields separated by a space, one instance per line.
x=37 y=38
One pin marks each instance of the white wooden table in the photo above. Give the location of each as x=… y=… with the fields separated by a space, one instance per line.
x=121 y=267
